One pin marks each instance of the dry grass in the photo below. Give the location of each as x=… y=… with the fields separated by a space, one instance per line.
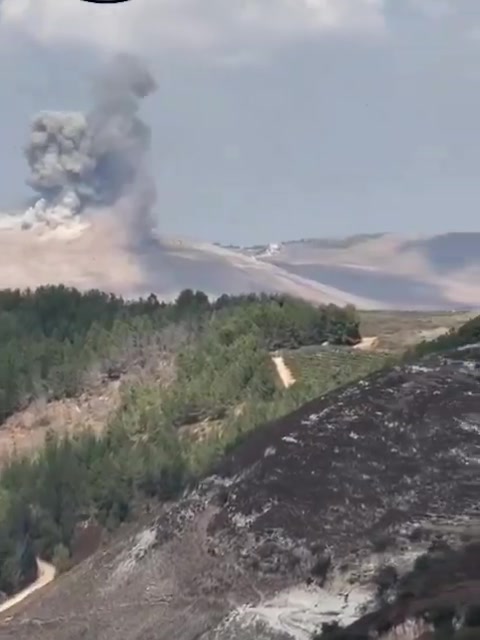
x=24 y=432
x=397 y=330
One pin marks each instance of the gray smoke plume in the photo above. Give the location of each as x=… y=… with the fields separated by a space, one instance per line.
x=78 y=159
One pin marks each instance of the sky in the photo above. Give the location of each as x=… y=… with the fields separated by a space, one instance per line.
x=274 y=119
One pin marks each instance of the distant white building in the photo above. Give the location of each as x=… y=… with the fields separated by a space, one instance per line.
x=272 y=249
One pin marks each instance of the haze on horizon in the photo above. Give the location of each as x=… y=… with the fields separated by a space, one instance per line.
x=274 y=119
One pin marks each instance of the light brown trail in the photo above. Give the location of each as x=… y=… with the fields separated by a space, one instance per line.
x=46 y=574
x=283 y=371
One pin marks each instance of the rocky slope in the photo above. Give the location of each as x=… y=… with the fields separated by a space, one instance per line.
x=297 y=523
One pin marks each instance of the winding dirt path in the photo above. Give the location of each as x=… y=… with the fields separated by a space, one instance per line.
x=46 y=574
x=283 y=371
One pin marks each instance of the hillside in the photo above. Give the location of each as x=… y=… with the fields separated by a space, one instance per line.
x=297 y=522
x=400 y=272
x=384 y=271
x=330 y=367
x=132 y=401
x=94 y=396
x=99 y=250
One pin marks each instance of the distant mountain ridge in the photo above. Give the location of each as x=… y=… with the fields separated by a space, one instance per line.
x=371 y=271
x=100 y=251
x=438 y=271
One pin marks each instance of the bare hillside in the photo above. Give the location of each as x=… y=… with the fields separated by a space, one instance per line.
x=439 y=272
x=293 y=529
x=99 y=251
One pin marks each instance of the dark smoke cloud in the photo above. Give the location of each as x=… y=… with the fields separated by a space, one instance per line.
x=77 y=159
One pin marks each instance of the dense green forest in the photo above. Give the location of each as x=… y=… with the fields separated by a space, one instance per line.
x=51 y=341
x=51 y=338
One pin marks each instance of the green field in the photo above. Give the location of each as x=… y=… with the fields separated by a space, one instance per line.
x=323 y=369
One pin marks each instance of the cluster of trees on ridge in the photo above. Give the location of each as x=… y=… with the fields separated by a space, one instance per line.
x=51 y=340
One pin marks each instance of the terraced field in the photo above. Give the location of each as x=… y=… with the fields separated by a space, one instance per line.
x=326 y=368
x=399 y=330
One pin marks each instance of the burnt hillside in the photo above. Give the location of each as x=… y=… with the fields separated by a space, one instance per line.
x=332 y=488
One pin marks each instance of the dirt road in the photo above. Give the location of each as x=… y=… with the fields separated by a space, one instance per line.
x=283 y=371
x=46 y=573
x=367 y=344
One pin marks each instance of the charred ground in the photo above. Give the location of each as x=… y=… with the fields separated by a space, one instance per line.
x=335 y=490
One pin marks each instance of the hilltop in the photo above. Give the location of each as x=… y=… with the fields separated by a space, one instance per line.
x=297 y=522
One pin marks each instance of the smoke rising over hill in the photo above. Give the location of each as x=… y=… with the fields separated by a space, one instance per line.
x=78 y=159
x=97 y=164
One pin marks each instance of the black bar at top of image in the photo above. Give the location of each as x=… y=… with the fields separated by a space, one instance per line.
x=105 y=1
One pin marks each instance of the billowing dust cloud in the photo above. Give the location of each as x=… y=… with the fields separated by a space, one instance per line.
x=95 y=159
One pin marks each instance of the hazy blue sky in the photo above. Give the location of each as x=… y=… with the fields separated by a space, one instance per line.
x=274 y=119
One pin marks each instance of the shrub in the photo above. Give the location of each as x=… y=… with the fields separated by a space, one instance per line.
x=61 y=559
